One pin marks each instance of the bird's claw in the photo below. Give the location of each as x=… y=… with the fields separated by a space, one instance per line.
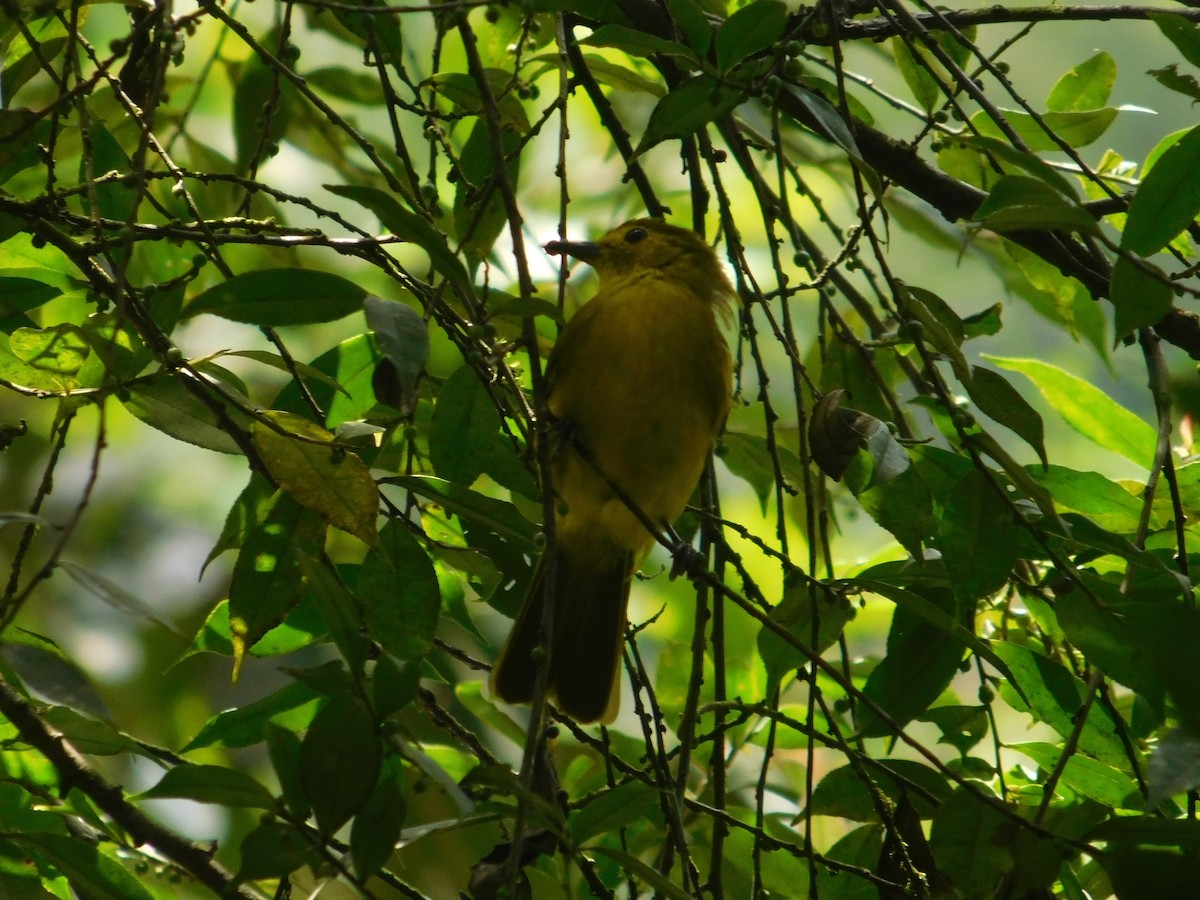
x=685 y=560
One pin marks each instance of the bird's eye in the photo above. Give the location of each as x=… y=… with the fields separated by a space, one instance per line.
x=634 y=235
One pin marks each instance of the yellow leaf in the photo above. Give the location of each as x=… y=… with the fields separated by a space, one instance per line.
x=329 y=480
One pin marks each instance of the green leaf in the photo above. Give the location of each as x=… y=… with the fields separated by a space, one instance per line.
x=613 y=810
x=283 y=746
x=1108 y=504
x=917 y=73
x=339 y=761
x=1023 y=160
x=277 y=362
x=1167 y=200
x=1180 y=32
x=273 y=850
x=1091 y=778
x=962 y=727
x=815 y=617
x=749 y=457
x=1170 y=78
x=968 y=839
x=1166 y=634
x=300 y=628
x=394 y=685
x=263 y=102
x=752 y=28
x=21 y=132
x=920 y=662
x=635 y=42
x=1087 y=86
x=999 y=400
x=1062 y=300
x=399 y=591
x=903 y=506
x=465 y=427
x=620 y=77
x=244 y=725
x=978 y=536
x=88 y=735
x=497 y=516
x=211 y=784
x=1075 y=129
x=340 y=610
x=1055 y=697
x=831 y=125
x=331 y=481
x=403 y=339
x=44 y=668
x=652 y=877
x=20 y=294
x=267 y=581
x=91 y=873
x=59 y=351
x=1141 y=295
x=687 y=109
x=932 y=613
x=1149 y=857
x=843 y=794
x=1089 y=410
x=351 y=364
x=462 y=89
x=480 y=214
x=407 y=225
x=165 y=404
x=692 y=22
x=1024 y=202
x=376 y=829
x=347 y=84
x=273 y=297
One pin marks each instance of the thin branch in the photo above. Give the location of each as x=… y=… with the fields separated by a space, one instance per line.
x=75 y=772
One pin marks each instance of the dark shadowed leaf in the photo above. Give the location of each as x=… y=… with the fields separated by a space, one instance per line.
x=750 y=29
x=211 y=784
x=465 y=427
x=280 y=297
x=399 y=591
x=339 y=761
x=89 y=871
x=812 y=615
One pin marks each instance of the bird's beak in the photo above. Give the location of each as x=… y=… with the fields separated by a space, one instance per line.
x=587 y=251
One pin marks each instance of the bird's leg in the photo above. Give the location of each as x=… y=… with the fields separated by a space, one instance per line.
x=685 y=559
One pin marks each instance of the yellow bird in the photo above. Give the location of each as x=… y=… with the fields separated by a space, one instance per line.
x=640 y=379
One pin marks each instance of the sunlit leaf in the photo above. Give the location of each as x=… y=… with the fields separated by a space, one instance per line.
x=1086 y=86
x=1089 y=410
x=1167 y=200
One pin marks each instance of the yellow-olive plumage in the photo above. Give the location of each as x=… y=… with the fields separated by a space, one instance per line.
x=640 y=378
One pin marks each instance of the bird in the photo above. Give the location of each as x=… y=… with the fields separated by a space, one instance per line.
x=638 y=388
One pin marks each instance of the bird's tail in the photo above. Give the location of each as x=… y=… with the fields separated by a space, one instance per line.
x=589 y=629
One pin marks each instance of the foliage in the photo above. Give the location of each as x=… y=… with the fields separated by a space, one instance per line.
x=301 y=237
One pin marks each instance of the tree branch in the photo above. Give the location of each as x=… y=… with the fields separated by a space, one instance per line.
x=881 y=28
x=956 y=200
x=74 y=771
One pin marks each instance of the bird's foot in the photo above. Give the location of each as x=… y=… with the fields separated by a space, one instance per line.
x=685 y=560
